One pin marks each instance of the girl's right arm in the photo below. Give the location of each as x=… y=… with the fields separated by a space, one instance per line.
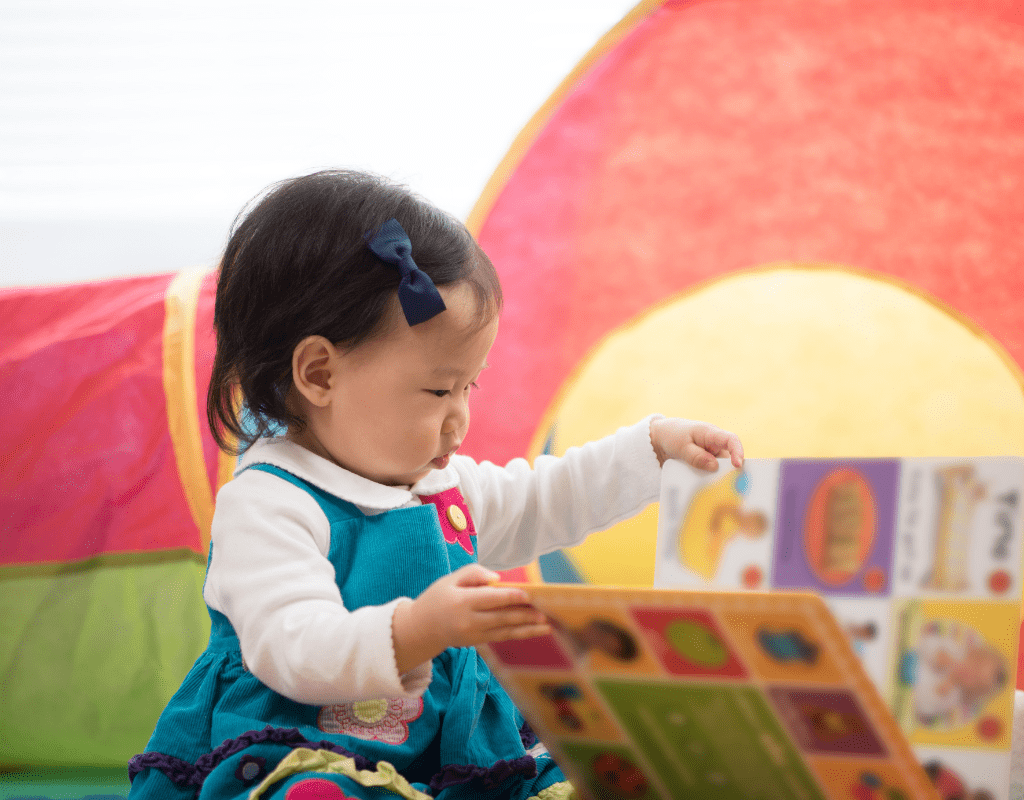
x=269 y=575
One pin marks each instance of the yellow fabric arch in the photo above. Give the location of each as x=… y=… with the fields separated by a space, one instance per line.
x=800 y=360
x=180 y=394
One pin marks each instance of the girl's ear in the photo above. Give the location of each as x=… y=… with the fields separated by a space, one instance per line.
x=313 y=366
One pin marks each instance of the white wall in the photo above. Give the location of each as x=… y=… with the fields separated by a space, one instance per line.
x=132 y=132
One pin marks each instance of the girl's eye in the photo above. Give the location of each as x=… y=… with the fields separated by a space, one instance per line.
x=446 y=392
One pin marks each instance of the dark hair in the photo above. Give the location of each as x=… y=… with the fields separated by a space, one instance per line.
x=297 y=265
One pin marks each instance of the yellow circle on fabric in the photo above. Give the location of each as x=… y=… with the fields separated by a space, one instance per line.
x=799 y=361
x=370 y=711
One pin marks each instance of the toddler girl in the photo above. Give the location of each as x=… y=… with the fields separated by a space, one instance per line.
x=346 y=583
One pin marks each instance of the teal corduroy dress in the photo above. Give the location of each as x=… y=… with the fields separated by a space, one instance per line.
x=226 y=735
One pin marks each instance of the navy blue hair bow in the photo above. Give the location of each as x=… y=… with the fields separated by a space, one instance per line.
x=419 y=297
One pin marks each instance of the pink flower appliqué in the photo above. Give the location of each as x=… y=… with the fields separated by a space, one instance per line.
x=384 y=720
x=453 y=515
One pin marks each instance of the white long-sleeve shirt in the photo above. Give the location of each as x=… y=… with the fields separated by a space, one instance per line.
x=270 y=576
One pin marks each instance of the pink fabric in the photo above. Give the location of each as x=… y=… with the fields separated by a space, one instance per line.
x=87 y=462
x=315 y=789
x=722 y=136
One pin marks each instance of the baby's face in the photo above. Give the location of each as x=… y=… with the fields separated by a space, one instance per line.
x=399 y=407
x=979 y=670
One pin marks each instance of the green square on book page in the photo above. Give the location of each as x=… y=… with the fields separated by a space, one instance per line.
x=713 y=741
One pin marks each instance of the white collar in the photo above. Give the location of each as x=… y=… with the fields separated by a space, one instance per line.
x=338 y=481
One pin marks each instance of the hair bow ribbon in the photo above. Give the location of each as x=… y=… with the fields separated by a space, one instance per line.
x=416 y=292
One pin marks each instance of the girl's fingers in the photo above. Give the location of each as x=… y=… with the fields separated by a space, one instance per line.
x=475 y=575
x=697 y=456
x=719 y=443
x=517 y=632
x=496 y=624
x=513 y=615
x=494 y=597
x=736 y=454
x=731 y=447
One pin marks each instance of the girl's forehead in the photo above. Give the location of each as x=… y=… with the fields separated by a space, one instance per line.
x=465 y=308
x=456 y=340
x=464 y=316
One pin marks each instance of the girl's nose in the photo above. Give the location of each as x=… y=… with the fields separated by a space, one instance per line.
x=458 y=417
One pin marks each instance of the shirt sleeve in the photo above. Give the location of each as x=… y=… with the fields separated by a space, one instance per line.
x=270 y=576
x=521 y=512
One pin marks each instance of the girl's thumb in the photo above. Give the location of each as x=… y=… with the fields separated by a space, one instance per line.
x=475 y=575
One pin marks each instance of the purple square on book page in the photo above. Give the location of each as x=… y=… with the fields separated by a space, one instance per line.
x=835 y=525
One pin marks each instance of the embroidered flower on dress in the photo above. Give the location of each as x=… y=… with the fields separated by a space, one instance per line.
x=250 y=768
x=383 y=720
x=453 y=515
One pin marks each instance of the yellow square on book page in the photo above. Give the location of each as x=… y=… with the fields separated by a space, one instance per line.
x=954 y=663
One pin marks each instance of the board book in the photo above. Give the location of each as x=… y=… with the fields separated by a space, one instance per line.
x=919 y=560
x=655 y=694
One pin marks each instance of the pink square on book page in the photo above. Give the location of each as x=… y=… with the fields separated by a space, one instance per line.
x=540 y=651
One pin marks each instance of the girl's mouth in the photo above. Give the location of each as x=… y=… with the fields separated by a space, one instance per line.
x=442 y=461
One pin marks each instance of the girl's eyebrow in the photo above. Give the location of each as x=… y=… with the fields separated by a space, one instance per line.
x=445 y=371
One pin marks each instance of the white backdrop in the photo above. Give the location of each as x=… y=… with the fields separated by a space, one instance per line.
x=132 y=132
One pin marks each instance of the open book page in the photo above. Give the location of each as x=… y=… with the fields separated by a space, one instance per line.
x=660 y=695
x=918 y=558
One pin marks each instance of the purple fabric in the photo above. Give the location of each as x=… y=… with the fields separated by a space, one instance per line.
x=179 y=771
x=484 y=777
x=183 y=774
x=527 y=735
x=186 y=775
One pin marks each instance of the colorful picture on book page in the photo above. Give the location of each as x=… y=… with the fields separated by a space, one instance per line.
x=568 y=706
x=918 y=559
x=719 y=530
x=862 y=779
x=783 y=645
x=953 y=672
x=970 y=774
x=836 y=525
x=603 y=640
x=733 y=745
x=867 y=623
x=689 y=641
x=610 y=771
x=600 y=640
x=960 y=528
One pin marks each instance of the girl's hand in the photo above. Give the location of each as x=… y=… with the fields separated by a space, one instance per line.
x=461 y=610
x=696 y=443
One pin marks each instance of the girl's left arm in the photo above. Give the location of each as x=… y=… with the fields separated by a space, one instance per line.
x=522 y=512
